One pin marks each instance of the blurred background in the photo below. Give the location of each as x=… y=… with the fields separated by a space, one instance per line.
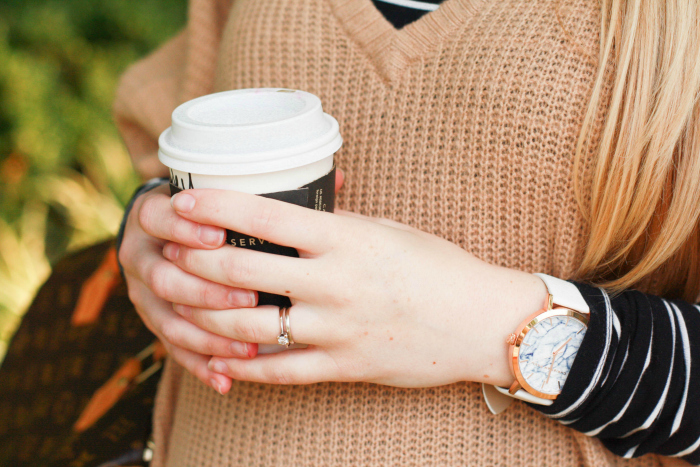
x=64 y=172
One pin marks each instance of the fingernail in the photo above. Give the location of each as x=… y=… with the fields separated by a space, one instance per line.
x=182 y=202
x=238 y=349
x=241 y=298
x=171 y=251
x=252 y=350
x=215 y=384
x=217 y=367
x=209 y=235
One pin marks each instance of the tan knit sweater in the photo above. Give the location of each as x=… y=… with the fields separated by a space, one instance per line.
x=462 y=124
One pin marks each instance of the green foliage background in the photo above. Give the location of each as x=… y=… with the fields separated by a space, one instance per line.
x=64 y=173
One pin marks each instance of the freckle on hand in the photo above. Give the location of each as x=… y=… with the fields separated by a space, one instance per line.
x=287 y=291
x=486 y=376
x=434 y=363
x=391 y=338
x=366 y=333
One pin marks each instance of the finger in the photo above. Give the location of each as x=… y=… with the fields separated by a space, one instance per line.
x=301 y=366
x=272 y=220
x=191 y=361
x=159 y=219
x=172 y=284
x=248 y=269
x=261 y=324
x=339 y=180
x=177 y=331
x=198 y=365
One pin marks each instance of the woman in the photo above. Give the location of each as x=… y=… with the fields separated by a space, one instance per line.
x=498 y=137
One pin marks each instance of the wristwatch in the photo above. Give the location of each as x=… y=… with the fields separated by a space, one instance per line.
x=543 y=348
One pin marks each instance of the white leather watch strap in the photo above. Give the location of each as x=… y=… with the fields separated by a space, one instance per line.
x=523 y=395
x=565 y=293
x=495 y=401
x=498 y=399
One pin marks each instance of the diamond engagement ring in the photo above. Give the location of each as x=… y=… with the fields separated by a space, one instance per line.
x=283 y=338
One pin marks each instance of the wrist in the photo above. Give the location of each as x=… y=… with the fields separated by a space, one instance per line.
x=511 y=296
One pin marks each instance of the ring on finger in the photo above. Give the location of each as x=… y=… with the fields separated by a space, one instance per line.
x=287 y=326
x=284 y=337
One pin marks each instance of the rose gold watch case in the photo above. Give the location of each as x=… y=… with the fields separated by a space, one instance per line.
x=522 y=331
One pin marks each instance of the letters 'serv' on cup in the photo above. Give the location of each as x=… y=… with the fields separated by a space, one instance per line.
x=276 y=143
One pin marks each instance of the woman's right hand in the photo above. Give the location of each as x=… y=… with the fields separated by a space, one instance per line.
x=154 y=283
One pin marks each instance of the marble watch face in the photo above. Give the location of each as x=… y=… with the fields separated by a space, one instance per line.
x=548 y=351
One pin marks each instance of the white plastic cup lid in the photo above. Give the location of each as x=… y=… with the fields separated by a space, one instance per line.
x=248 y=131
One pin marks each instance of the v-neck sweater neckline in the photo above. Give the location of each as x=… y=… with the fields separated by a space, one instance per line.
x=392 y=50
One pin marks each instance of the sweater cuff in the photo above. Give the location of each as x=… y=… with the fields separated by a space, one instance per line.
x=146 y=187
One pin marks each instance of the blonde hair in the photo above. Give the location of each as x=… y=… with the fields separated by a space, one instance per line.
x=642 y=198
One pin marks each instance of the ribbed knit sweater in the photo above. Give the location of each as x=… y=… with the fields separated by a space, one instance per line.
x=462 y=124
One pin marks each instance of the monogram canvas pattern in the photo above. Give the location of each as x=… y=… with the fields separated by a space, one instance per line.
x=52 y=369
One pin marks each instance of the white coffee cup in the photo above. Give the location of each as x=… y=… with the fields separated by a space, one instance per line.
x=256 y=141
x=251 y=140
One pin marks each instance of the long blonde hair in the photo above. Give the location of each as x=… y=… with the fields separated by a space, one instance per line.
x=642 y=198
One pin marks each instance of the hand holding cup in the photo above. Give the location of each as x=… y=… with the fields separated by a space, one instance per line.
x=375 y=300
x=154 y=283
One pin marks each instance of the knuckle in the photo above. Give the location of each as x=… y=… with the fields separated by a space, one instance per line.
x=203 y=319
x=265 y=220
x=239 y=271
x=182 y=231
x=218 y=347
x=279 y=375
x=210 y=347
x=125 y=255
x=212 y=296
x=246 y=331
x=170 y=332
x=157 y=280
x=204 y=297
x=186 y=258
x=147 y=213
x=142 y=272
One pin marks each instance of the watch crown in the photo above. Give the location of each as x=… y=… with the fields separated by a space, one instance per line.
x=511 y=339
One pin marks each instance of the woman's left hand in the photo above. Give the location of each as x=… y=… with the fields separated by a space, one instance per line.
x=375 y=300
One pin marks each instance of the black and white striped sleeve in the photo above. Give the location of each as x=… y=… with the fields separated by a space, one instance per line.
x=146 y=187
x=635 y=383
